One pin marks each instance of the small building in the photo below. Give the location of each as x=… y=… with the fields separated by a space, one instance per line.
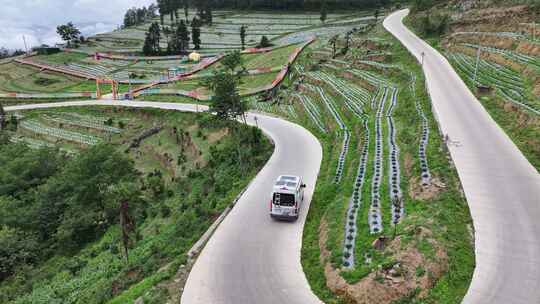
x=194 y=56
x=175 y=71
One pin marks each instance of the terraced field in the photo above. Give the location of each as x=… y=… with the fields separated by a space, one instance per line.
x=503 y=70
x=382 y=156
x=223 y=34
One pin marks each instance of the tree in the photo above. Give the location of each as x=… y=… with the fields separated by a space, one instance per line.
x=208 y=14
x=323 y=11
x=196 y=33
x=333 y=42
x=162 y=10
x=126 y=194
x=243 y=29
x=226 y=101
x=2 y=117
x=186 y=9
x=180 y=40
x=68 y=32
x=18 y=248
x=264 y=42
x=151 y=42
x=232 y=61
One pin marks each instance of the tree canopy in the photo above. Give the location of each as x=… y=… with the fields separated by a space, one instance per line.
x=68 y=32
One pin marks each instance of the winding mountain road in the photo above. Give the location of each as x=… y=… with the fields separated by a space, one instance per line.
x=501 y=186
x=253 y=259
x=250 y=258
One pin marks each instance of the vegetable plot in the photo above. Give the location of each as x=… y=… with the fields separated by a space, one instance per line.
x=38 y=128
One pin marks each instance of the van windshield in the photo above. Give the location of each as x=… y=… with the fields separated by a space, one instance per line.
x=283 y=199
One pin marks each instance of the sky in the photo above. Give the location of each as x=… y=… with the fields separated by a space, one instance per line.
x=36 y=20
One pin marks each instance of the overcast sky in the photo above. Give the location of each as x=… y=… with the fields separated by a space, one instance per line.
x=37 y=19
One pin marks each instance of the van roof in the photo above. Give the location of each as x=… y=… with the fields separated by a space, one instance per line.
x=287 y=183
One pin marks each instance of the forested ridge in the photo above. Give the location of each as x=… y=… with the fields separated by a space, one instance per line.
x=84 y=227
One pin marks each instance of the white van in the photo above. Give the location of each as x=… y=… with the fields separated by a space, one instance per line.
x=287 y=197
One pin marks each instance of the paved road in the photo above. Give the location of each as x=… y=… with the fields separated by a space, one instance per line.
x=501 y=186
x=251 y=258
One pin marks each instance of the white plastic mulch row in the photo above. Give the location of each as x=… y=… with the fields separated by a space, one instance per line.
x=394 y=172
x=292 y=112
x=512 y=35
x=351 y=229
x=376 y=97
x=508 y=84
x=346 y=135
x=374 y=215
x=371 y=78
x=424 y=140
x=312 y=111
x=522 y=58
x=497 y=73
x=380 y=65
x=33 y=143
x=354 y=97
x=39 y=128
x=486 y=78
x=83 y=123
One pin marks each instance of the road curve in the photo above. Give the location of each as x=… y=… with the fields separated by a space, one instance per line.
x=250 y=258
x=501 y=186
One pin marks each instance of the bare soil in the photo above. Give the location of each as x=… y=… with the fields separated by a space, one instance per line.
x=411 y=272
x=425 y=193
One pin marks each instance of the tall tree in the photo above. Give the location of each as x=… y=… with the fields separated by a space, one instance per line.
x=151 y=42
x=324 y=12
x=264 y=42
x=226 y=101
x=126 y=194
x=333 y=42
x=186 y=9
x=196 y=33
x=243 y=29
x=68 y=32
x=2 y=117
x=232 y=61
x=182 y=34
x=162 y=10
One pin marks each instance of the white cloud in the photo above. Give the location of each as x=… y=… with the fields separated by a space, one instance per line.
x=37 y=19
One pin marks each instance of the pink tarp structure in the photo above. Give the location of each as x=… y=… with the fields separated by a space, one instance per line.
x=51 y=95
x=279 y=77
x=205 y=63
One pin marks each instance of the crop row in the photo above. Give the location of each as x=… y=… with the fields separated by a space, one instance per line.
x=394 y=173
x=82 y=123
x=38 y=128
x=351 y=229
x=33 y=143
x=496 y=34
x=346 y=135
x=424 y=140
x=509 y=86
x=372 y=78
x=355 y=97
x=379 y=64
x=312 y=111
x=375 y=217
x=493 y=72
x=515 y=56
